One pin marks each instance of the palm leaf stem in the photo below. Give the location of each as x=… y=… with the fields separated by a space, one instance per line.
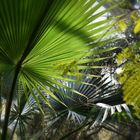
x=9 y=103
x=76 y=130
x=94 y=132
x=113 y=130
x=14 y=128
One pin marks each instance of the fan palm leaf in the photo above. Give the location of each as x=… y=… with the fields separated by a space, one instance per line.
x=21 y=113
x=37 y=37
x=103 y=100
x=99 y=93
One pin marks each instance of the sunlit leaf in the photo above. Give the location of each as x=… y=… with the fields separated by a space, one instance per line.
x=122 y=26
x=137 y=27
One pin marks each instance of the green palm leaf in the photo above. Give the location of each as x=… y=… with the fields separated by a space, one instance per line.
x=37 y=36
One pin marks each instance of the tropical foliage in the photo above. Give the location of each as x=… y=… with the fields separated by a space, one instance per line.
x=130 y=76
x=53 y=55
x=129 y=61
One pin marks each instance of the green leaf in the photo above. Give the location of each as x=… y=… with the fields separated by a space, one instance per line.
x=45 y=40
x=122 y=26
x=137 y=27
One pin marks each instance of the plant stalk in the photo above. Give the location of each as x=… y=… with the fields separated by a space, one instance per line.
x=14 y=129
x=9 y=103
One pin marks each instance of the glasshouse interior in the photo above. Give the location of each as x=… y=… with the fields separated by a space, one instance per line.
x=69 y=69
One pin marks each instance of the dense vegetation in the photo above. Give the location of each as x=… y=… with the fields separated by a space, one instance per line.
x=69 y=69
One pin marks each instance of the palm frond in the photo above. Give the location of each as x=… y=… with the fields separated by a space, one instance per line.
x=21 y=113
x=100 y=96
x=47 y=35
x=37 y=37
